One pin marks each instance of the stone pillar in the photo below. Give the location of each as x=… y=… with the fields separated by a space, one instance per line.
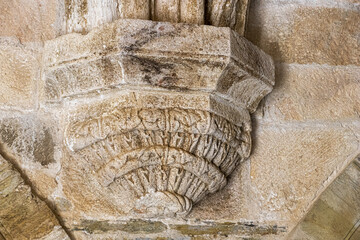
x=83 y=15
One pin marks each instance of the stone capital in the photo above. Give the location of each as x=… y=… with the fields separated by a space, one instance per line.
x=157 y=114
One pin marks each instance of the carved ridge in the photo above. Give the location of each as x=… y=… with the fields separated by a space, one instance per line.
x=83 y=133
x=165 y=157
x=175 y=155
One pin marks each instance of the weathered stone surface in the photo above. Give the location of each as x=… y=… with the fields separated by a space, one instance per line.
x=31 y=21
x=84 y=15
x=336 y=214
x=196 y=144
x=30 y=141
x=23 y=215
x=318 y=153
x=184 y=136
x=172 y=56
x=313 y=93
x=19 y=71
x=135 y=229
x=187 y=11
x=304 y=135
x=228 y=13
x=162 y=129
x=135 y=9
x=306 y=33
x=29 y=138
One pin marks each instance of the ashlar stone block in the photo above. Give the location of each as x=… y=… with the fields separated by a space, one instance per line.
x=19 y=70
x=170 y=56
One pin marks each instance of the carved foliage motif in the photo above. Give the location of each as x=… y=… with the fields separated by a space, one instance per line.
x=167 y=158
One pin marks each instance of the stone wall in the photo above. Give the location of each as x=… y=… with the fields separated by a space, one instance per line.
x=308 y=127
x=305 y=132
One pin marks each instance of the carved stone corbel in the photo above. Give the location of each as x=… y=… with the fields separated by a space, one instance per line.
x=159 y=112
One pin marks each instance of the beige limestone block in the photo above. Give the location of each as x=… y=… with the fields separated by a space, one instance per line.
x=306 y=33
x=192 y=11
x=84 y=15
x=19 y=72
x=22 y=214
x=291 y=164
x=165 y=55
x=31 y=21
x=313 y=93
x=304 y=161
x=167 y=11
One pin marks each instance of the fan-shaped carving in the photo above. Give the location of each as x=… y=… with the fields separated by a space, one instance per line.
x=174 y=155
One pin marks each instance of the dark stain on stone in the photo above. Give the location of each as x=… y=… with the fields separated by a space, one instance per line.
x=147 y=34
x=143 y=36
x=68 y=8
x=225 y=229
x=83 y=8
x=138 y=226
x=7 y=134
x=131 y=226
x=107 y=69
x=157 y=73
x=44 y=148
x=18 y=139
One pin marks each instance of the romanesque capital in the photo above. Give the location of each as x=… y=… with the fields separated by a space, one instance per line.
x=157 y=115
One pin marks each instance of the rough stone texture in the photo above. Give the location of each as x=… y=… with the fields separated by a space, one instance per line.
x=313 y=93
x=138 y=229
x=315 y=44
x=317 y=155
x=228 y=13
x=336 y=214
x=188 y=11
x=305 y=134
x=38 y=20
x=84 y=15
x=30 y=141
x=23 y=215
x=31 y=21
x=139 y=53
x=19 y=73
x=278 y=185
x=164 y=132
x=325 y=32
x=124 y=90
